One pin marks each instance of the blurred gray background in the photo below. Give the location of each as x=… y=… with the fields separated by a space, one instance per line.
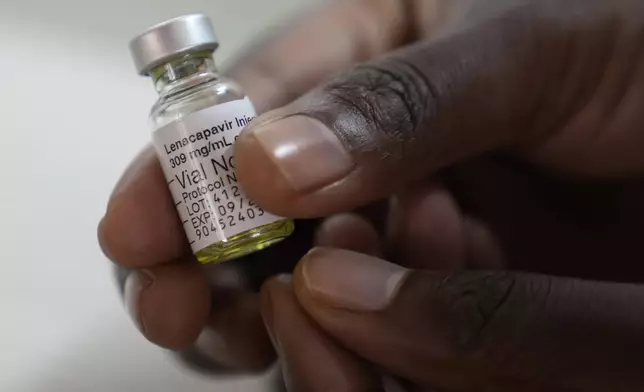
x=74 y=113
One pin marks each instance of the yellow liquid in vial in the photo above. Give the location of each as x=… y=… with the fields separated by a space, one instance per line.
x=246 y=242
x=188 y=85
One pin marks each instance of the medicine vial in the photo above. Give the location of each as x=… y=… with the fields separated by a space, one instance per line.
x=195 y=123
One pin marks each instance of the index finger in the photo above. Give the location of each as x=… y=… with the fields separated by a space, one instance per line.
x=141 y=227
x=322 y=41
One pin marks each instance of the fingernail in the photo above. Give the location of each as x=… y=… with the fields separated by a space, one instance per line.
x=135 y=285
x=307 y=153
x=267 y=311
x=351 y=280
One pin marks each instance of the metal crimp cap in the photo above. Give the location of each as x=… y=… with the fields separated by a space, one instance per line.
x=170 y=39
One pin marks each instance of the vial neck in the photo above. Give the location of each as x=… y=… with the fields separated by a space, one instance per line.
x=184 y=72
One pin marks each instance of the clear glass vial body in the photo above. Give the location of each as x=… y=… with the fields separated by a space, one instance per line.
x=187 y=85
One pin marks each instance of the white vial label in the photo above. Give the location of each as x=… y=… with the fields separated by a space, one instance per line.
x=197 y=158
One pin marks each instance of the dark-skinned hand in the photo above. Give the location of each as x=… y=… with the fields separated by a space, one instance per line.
x=505 y=139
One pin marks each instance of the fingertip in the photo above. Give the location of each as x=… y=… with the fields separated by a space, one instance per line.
x=141 y=227
x=347 y=280
x=235 y=336
x=271 y=291
x=100 y=236
x=295 y=166
x=311 y=361
x=140 y=162
x=278 y=282
x=349 y=231
x=425 y=229
x=261 y=180
x=484 y=251
x=134 y=234
x=168 y=304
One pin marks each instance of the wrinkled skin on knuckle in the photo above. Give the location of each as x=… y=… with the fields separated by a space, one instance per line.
x=376 y=108
x=480 y=320
x=568 y=334
x=457 y=308
x=469 y=303
x=545 y=332
x=496 y=322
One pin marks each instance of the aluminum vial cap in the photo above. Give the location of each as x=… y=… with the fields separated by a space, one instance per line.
x=170 y=39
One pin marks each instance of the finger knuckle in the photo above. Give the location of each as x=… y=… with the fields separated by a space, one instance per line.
x=387 y=97
x=471 y=303
x=496 y=317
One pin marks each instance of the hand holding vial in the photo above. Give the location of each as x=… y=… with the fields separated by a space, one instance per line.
x=467 y=180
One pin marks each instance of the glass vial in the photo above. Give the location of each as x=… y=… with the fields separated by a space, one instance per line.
x=195 y=123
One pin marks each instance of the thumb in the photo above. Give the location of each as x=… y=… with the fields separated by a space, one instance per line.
x=474 y=330
x=382 y=124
